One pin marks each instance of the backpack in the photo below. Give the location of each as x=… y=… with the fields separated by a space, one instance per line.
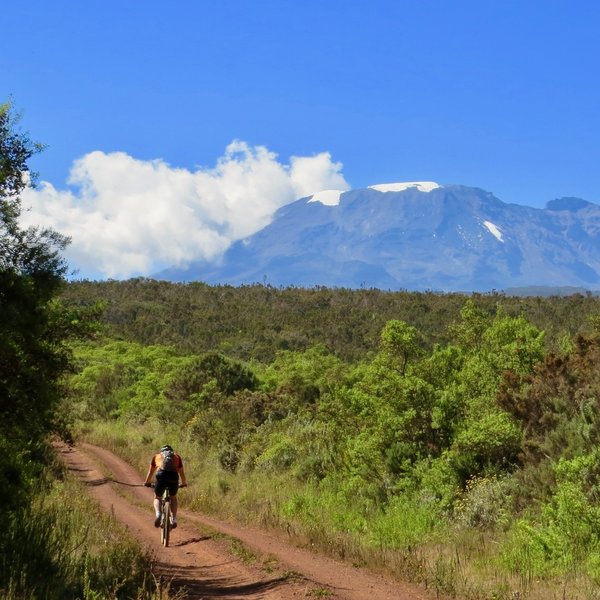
x=168 y=460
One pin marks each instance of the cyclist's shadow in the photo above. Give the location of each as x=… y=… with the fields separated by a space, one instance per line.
x=126 y=483
x=192 y=540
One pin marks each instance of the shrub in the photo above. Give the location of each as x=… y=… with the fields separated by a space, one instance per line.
x=486 y=503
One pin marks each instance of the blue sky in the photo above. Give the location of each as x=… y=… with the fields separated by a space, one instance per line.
x=498 y=95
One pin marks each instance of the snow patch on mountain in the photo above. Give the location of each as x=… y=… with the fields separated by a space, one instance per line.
x=327 y=197
x=421 y=186
x=494 y=230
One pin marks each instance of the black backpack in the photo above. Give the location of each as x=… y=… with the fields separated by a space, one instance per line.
x=168 y=460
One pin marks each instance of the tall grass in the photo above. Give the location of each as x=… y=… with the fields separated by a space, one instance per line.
x=64 y=546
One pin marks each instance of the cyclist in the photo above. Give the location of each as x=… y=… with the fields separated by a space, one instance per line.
x=168 y=467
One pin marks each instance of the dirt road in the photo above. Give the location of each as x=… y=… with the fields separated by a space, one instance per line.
x=215 y=559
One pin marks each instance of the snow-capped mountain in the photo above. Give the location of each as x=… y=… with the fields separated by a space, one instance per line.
x=415 y=236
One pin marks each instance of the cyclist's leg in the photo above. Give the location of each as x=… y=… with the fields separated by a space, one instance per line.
x=173 y=487
x=159 y=488
x=157 y=503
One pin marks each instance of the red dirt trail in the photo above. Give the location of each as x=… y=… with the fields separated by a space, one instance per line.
x=203 y=563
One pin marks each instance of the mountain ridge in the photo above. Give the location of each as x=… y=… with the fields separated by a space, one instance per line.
x=424 y=236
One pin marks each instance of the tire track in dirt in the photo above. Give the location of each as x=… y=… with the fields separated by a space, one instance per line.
x=202 y=562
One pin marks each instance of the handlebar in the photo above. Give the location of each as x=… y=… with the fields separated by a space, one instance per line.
x=151 y=485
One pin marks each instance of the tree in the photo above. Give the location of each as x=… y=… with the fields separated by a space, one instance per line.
x=473 y=323
x=400 y=341
x=32 y=353
x=30 y=251
x=488 y=437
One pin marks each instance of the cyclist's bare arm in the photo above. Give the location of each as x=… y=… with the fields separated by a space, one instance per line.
x=150 y=474
x=182 y=477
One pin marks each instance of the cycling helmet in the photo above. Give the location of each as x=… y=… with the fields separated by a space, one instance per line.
x=166 y=448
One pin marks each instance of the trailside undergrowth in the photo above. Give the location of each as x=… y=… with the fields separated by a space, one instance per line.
x=469 y=467
x=64 y=546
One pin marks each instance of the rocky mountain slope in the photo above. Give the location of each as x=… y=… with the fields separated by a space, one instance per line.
x=415 y=236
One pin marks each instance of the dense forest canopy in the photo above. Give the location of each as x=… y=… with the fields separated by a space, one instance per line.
x=255 y=322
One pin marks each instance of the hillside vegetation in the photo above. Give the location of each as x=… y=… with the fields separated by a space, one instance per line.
x=452 y=440
x=255 y=322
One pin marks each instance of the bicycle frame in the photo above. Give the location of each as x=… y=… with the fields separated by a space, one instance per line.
x=165 y=524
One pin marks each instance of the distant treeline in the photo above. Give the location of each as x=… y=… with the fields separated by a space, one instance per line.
x=257 y=321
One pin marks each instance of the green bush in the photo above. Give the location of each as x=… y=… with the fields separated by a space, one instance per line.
x=406 y=522
x=492 y=440
x=486 y=503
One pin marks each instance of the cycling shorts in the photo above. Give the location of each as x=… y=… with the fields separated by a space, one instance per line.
x=166 y=479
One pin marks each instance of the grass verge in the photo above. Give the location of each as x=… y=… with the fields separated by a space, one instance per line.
x=67 y=547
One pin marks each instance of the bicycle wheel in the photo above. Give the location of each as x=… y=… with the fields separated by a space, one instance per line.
x=165 y=526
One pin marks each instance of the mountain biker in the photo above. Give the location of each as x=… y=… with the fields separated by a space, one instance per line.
x=168 y=467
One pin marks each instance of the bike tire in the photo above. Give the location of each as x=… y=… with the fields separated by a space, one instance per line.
x=165 y=527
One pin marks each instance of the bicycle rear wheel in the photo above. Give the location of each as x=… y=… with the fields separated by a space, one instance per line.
x=165 y=527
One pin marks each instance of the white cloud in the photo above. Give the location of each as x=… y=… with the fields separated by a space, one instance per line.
x=316 y=173
x=131 y=217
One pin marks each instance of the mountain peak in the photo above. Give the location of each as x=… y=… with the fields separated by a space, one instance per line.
x=327 y=197
x=421 y=186
x=332 y=197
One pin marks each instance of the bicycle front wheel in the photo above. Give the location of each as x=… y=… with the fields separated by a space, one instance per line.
x=165 y=527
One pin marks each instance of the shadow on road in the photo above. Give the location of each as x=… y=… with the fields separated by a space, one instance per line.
x=177 y=578
x=125 y=483
x=191 y=541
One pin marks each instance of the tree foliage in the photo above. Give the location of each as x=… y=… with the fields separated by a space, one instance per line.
x=33 y=328
x=32 y=355
x=30 y=251
x=256 y=322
